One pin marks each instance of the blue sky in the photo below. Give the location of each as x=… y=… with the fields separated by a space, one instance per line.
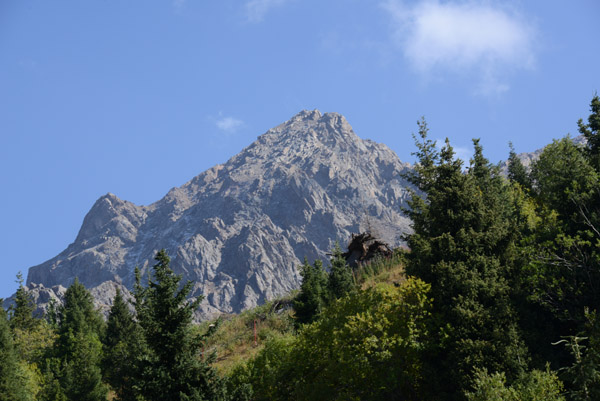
x=135 y=97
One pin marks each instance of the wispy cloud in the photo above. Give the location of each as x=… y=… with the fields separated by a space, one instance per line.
x=257 y=9
x=477 y=38
x=228 y=124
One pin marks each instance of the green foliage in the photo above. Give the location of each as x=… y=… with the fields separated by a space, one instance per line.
x=534 y=386
x=319 y=288
x=78 y=315
x=364 y=346
x=583 y=375
x=516 y=171
x=270 y=375
x=564 y=274
x=34 y=343
x=313 y=291
x=340 y=280
x=465 y=235
x=14 y=384
x=591 y=132
x=123 y=348
x=372 y=271
x=231 y=338
x=561 y=175
x=21 y=313
x=75 y=365
x=172 y=368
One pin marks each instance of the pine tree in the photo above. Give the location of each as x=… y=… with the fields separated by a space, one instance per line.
x=312 y=296
x=78 y=349
x=123 y=348
x=462 y=245
x=173 y=368
x=591 y=132
x=340 y=280
x=516 y=171
x=21 y=313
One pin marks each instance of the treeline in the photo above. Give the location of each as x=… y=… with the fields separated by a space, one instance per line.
x=498 y=302
x=73 y=354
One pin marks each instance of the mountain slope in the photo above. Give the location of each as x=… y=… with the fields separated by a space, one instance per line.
x=240 y=229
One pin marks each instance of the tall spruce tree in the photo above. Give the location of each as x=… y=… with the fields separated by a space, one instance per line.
x=340 y=280
x=173 y=369
x=312 y=296
x=516 y=171
x=462 y=245
x=591 y=132
x=123 y=349
x=21 y=313
x=78 y=350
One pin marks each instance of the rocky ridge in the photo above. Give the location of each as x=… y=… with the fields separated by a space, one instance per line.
x=240 y=229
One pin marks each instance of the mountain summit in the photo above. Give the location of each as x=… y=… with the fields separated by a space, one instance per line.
x=239 y=230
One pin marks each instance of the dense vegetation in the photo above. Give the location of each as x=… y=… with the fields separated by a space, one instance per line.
x=497 y=299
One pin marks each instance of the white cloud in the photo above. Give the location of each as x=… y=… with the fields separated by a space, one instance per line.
x=257 y=9
x=228 y=124
x=477 y=38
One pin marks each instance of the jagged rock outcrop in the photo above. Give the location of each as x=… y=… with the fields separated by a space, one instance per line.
x=240 y=229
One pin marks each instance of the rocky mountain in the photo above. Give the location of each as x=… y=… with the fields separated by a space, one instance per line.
x=240 y=230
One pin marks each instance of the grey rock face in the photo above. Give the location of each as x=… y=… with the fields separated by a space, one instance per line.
x=240 y=229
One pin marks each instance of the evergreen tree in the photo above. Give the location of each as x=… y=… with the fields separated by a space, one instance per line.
x=340 y=280
x=13 y=385
x=173 y=369
x=563 y=274
x=566 y=269
x=591 y=132
x=516 y=171
x=312 y=296
x=78 y=350
x=22 y=311
x=123 y=348
x=463 y=245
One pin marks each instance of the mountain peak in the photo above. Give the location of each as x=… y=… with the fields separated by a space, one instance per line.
x=307 y=115
x=240 y=229
x=307 y=130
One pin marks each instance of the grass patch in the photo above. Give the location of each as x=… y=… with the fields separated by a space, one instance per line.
x=233 y=340
x=381 y=270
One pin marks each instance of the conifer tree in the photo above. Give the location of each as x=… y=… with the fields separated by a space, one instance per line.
x=173 y=369
x=563 y=274
x=312 y=296
x=340 y=280
x=21 y=313
x=78 y=350
x=13 y=385
x=591 y=132
x=122 y=349
x=462 y=244
x=516 y=171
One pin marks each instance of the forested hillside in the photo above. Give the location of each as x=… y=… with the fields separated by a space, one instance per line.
x=495 y=299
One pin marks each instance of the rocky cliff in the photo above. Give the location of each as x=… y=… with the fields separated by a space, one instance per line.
x=239 y=230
